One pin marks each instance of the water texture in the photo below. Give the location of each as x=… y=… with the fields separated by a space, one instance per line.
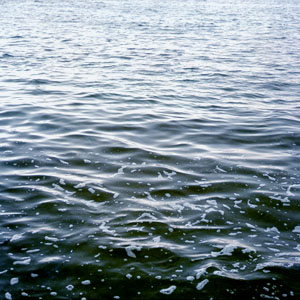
x=149 y=149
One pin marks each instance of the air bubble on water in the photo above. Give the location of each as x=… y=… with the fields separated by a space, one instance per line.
x=14 y=280
x=70 y=287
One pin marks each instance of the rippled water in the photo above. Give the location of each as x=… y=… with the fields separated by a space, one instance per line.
x=149 y=149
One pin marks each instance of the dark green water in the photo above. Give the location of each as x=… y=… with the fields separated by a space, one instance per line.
x=149 y=149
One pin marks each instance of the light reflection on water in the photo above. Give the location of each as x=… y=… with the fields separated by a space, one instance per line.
x=149 y=150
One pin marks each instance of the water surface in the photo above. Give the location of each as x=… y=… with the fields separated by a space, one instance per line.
x=149 y=149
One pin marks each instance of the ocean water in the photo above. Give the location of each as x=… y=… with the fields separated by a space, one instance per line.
x=149 y=149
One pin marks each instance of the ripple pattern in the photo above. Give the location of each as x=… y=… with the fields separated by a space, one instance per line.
x=149 y=150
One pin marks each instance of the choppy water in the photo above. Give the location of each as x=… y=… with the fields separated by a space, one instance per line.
x=149 y=149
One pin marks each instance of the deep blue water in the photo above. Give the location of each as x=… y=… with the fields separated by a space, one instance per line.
x=149 y=149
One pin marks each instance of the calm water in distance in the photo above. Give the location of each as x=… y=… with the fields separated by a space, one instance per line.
x=149 y=149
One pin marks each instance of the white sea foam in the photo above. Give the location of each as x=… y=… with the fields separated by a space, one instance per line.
x=288 y=192
x=169 y=290
x=106 y=229
x=202 y=284
x=281 y=199
x=129 y=250
x=227 y=250
x=250 y=204
x=14 y=280
x=261 y=266
x=25 y=261
x=120 y=171
x=190 y=278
